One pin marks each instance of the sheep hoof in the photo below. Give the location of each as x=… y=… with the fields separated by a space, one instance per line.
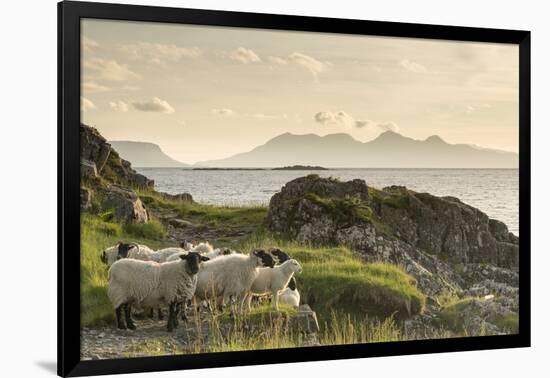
x=132 y=326
x=121 y=326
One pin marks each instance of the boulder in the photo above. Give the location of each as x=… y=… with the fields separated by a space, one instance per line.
x=438 y=240
x=125 y=204
x=306 y=320
x=446 y=227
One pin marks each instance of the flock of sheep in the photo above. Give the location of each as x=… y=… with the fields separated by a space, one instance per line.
x=174 y=277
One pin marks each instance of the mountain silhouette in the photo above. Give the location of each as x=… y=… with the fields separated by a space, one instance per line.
x=143 y=154
x=388 y=150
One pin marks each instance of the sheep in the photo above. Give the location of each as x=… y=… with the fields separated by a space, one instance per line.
x=125 y=250
x=202 y=248
x=150 y=284
x=272 y=281
x=290 y=295
x=229 y=278
x=211 y=255
x=282 y=257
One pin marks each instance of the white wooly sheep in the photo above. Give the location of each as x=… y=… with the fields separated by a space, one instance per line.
x=211 y=255
x=150 y=284
x=228 y=278
x=290 y=295
x=163 y=255
x=126 y=250
x=203 y=248
x=272 y=281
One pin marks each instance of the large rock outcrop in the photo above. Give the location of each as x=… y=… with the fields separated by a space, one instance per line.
x=94 y=150
x=320 y=210
x=450 y=248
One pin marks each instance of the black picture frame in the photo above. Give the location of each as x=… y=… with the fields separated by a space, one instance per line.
x=69 y=16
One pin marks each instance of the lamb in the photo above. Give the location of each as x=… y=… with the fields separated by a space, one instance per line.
x=272 y=281
x=290 y=295
x=126 y=250
x=150 y=284
x=229 y=278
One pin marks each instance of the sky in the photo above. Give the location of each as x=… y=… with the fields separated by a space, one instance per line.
x=203 y=92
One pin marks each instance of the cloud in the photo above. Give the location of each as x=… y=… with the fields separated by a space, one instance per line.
x=311 y=64
x=245 y=56
x=110 y=70
x=389 y=126
x=160 y=53
x=86 y=104
x=93 y=87
x=277 y=60
x=340 y=118
x=87 y=44
x=412 y=66
x=154 y=105
x=119 y=106
x=224 y=112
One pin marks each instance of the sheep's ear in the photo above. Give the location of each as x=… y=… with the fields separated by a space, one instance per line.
x=183 y=257
x=204 y=258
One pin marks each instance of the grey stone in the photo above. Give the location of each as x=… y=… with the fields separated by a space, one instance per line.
x=306 y=319
x=125 y=203
x=88 y=169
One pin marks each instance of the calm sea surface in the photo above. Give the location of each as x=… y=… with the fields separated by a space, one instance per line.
x=494 y=191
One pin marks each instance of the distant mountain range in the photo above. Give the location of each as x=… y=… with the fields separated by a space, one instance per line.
x=145 y=155
x=388 y=150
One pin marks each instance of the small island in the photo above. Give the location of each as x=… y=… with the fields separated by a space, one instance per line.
x=301 y=168
x=227 y=169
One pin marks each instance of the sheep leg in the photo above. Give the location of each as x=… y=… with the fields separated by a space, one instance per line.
x=152 y=313
x=186 y=303
x=119 y=321
x=171 y=317
x=161 y=315
x=128 y=315
x=232 y=302
x=249 y=301
x=275 y=301
x=183 y=308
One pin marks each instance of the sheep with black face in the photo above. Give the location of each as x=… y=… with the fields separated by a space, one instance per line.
x=228 y=278
x=150 y=284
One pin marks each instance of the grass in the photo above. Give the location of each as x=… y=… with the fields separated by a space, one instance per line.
x=509 y=323
x=337 y=278
x=220 y=219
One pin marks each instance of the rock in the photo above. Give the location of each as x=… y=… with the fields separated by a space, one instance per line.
x=125 y=203
x=95 y=149
x=306 y=320
x=433 y=238
x=446 y=227
x=88 y=169
x=85 y=198
x=182 y=197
